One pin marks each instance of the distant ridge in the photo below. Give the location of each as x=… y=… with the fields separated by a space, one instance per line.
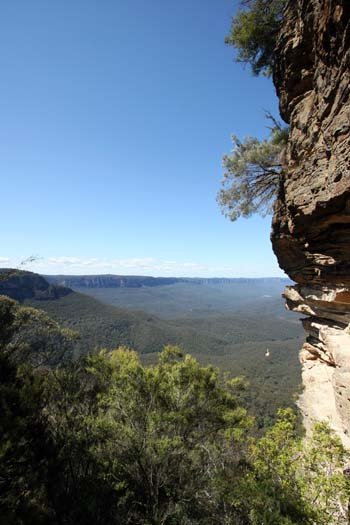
x=138 y=281
x=21 y=285
x=109 y=281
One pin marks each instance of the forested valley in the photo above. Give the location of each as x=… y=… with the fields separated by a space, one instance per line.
x=102 y=437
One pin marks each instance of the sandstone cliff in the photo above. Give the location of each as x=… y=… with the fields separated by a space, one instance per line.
x=311 y=225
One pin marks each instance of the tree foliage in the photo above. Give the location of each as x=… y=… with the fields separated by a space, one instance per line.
x=143 y=445
x=299 y=481
x=30 y=336
x=252 y=174
x=253 y=33
x=24 y=441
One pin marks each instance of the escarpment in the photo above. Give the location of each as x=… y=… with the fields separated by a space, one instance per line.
x=311 y=224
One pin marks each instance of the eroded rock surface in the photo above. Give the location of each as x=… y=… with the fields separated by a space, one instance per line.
x=311 y=225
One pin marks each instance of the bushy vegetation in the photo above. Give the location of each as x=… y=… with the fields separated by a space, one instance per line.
x=106 y=440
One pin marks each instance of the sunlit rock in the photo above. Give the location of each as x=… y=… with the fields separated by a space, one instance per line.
x=311 y=225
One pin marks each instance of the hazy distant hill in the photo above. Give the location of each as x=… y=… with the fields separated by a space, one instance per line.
x=191 y=299
x=99 y=325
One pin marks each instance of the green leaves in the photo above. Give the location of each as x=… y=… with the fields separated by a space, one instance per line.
x=159 y=437
x=299 y=480
x=254 y=31
x=323 y=482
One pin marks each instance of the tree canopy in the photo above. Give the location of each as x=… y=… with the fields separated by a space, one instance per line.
x=253 y=33
x=252 y=174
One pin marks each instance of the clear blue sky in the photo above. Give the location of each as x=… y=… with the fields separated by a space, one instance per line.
x=114 y=119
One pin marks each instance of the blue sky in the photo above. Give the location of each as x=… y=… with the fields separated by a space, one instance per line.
x=114 y=119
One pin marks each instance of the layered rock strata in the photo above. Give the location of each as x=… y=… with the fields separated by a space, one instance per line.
x=311 y=224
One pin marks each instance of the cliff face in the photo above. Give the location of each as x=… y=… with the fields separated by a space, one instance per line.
x=311 y=225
